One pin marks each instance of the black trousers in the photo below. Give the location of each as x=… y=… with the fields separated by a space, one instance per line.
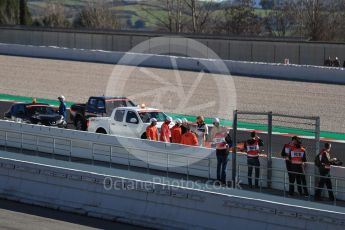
x=297 y=174
x=325 y=180
x=253 y=163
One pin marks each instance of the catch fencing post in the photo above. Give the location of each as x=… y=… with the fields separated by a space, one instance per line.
x=234 y=148
x=269 y=151
x=317 y=149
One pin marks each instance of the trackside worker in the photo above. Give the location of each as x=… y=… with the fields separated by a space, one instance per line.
x=201 y=130
x=298 y=158
x=176 y=132
x=184 y=125
x=323 y=162
x=218 y=139
x=286 y=153
x=34 y=101
x=62 y=107
x=189 y=138
x=252 y=148
x=152 y=131
x=165 y=130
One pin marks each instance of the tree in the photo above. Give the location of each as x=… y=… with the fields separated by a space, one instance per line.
x=267 y=4
x=279 y=21
x=166 y=14
x=200 y=14
x=55 y=15
x=97 y=15
x=14 y=12
x=240 y=19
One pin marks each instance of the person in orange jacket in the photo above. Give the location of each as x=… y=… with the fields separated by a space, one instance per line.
x=176 y=132
x=152 y=131
x=165 y=130
x=189 y=138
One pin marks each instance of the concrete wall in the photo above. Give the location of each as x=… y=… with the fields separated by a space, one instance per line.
x=256 y=69
x=149 y=204
x=191 y=161
x=273 y=51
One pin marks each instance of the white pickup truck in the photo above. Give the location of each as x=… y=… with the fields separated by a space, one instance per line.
x=127 y=121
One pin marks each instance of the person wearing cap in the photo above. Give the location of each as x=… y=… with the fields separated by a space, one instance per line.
x=184 y=125
x=285 y=153
x=152 y=131
x=201 y=130
x=189 y=138
x=252 y=148
x=62 y=107
x=176 y=132
x=218 y=140
x=165 y=130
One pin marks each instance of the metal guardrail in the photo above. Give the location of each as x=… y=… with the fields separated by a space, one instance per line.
x=285 y=181
x=130 y=161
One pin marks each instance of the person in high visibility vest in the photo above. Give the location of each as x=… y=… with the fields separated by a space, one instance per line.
x=189 y=138
x=324 y=165
x=286 y=152
x=165 y=134
x=152 y=131
x=298 y=158
x=184 y=125
x=252 y=148
x=176 y=132
x=218 y=140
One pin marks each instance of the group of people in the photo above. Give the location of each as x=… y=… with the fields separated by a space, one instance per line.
x=180 y=133
x=333 y=63
x=295 y=157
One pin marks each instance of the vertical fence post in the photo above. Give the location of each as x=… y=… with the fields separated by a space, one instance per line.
x=317 y=149
x=234 y=149
x=269 y=150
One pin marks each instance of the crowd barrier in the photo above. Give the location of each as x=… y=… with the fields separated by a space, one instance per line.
x=130 y=152
x=151 y=204
x=254 y=69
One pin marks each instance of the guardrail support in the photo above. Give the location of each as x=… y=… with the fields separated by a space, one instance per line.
x=234 y=149
x=269 y=150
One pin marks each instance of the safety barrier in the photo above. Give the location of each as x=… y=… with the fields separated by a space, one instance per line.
x=254 y=69
x=152 y=204
x=166 y=157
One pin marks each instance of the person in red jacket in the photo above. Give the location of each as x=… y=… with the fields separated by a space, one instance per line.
x=152 y=131
x=165 y=130
x=176 y=132
x=189 y=138
x=252 y=148
x=286 y=152
x=297 y=158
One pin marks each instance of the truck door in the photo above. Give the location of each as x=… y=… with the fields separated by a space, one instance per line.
x=131 y=124
x=117 y=122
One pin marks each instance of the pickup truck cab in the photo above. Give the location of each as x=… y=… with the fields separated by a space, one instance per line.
x=96 y=107
x=127 y=121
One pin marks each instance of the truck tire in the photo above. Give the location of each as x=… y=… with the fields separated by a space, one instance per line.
x=101 y=130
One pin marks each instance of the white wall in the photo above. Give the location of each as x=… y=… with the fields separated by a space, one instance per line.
x=163 y=207
x=256 y=69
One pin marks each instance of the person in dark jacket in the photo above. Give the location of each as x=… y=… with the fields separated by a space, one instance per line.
x=324 y=169
x=62 y=107
x=252 y=148
x=336 y=62
x=285 y=153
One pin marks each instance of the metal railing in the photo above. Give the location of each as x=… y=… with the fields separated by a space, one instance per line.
x=15 y=139
x=286 y=183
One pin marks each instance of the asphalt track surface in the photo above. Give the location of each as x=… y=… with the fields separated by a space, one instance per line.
x=46 y=78
x=18 y=216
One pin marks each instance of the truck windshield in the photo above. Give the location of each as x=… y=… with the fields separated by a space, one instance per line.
x=115 y=103
x=146 y=116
